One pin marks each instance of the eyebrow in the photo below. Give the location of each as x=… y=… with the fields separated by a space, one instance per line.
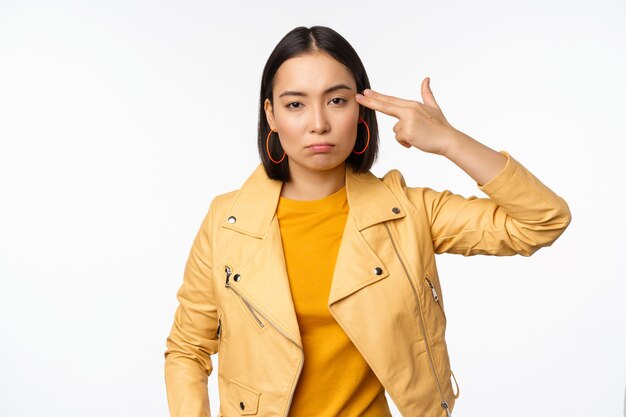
x=328 y=90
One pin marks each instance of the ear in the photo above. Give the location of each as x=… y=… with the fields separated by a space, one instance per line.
x=269 y=113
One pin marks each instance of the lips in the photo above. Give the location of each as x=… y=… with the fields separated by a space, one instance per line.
x=320 y=147
x=320 y=144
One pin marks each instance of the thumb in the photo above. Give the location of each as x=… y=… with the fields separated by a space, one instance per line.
x=427 y=94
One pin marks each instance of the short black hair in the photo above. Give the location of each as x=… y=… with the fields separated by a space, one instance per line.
x=300 y=41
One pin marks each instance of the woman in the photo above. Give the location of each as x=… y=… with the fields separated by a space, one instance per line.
x=316 y=281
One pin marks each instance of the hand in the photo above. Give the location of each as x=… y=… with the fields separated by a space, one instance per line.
x=421 y=125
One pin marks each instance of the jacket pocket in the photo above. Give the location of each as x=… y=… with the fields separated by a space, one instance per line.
x=244 y=398
x=458 y=391
x=221 y=346
x=435 y=296
x=220 y=329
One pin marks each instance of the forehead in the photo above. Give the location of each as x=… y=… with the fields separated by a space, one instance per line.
x=311 y=73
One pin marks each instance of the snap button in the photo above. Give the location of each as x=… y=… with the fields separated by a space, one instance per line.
x=232 y=219
x=237 y=277
x=395 y=210
x=378 y=270
x=242 y=405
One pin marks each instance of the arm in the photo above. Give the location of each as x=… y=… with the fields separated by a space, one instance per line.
x=192 y=337
x=520 y=216
x=477 y=160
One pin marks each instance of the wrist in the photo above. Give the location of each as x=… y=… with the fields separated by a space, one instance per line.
x=453 y=142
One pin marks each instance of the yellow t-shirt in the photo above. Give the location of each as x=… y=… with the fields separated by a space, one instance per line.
x=336 y=381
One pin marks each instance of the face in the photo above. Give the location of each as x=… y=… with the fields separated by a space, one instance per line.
x=314 y=104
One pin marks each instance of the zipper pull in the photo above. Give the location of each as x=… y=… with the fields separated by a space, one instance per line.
x=444 y=404
x=228 y=272
x=219 y=327
x=432 y=288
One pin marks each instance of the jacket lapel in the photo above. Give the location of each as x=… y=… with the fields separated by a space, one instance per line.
x=264 y=281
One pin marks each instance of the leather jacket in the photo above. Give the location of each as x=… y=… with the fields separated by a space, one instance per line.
x=385 y=293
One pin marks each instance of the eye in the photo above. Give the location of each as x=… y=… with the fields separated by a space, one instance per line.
x=295 y=102
x=338 y=98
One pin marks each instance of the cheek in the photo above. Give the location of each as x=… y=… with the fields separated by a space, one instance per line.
x=289 y=124
x=289 y=132
x=349 y=123
x=347 y=126
x=350 y=117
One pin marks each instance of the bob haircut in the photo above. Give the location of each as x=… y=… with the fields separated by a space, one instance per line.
x=300 y=41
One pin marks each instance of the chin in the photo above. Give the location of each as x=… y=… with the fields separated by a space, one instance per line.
x=328 y=167
x=321 y=166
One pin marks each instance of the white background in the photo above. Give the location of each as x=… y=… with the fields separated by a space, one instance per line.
x=121 y=120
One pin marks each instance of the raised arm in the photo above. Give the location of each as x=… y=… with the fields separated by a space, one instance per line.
x=477 y=160
x=521 y=214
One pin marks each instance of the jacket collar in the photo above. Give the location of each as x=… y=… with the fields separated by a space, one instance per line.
x=254 y=207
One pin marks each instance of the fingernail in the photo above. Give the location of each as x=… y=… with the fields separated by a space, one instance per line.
x=367 y=92
x=359 y=96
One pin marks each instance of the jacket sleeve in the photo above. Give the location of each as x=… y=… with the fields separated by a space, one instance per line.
x=520 y=216
x=192 y=338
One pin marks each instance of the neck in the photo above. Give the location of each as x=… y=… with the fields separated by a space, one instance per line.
x=313 y=185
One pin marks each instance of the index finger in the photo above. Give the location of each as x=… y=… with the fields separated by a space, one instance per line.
x=368 y=92
x=382 y=106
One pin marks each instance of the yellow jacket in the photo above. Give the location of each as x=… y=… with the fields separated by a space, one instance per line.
x=385 y=293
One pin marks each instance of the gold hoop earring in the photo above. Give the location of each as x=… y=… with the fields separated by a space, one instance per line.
x=368 y=138
x=267 y=147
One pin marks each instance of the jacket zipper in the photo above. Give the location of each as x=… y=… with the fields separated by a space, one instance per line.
x=435 y=295
x=444 y=404
x=229 y=271
x=259 y=322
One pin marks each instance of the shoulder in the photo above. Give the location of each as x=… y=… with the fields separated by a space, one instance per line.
x=394 y=180
x=225 y=199
x=220 y=204
x=393 y=177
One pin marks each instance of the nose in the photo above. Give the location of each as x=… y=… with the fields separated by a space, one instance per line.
x=319 y=122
